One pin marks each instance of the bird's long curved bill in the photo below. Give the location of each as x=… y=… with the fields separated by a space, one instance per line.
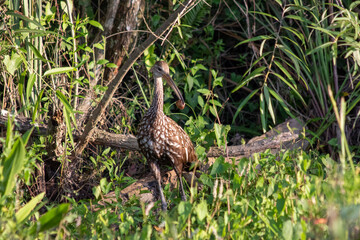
x=174 y=87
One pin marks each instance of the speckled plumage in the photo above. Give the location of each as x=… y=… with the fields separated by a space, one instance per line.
x=160 y=139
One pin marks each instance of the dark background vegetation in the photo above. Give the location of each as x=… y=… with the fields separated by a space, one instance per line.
x=243 y=68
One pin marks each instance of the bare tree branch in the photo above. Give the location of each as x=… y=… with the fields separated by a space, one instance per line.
x=287 y=135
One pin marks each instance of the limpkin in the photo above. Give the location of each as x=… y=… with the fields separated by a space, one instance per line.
x=161 y=139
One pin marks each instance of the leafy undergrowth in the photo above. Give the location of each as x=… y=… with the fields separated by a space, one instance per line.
x=293 y=195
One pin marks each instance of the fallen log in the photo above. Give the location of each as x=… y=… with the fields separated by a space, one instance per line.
x=287 y=135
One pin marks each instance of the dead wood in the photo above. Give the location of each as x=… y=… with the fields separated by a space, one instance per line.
x=287 y=135
x=123 y=17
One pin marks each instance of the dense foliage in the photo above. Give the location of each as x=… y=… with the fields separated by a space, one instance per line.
x=243 y=67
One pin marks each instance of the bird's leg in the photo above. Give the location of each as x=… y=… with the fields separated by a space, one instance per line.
x=156 y=171
x=178 y=173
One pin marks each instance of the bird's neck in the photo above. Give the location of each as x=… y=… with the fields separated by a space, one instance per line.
x=158 y=99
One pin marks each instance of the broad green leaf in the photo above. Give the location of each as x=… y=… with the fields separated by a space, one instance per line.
x=24 y=212
x=184 y=209
x=280 y=203
x=96 y=24
x=12 y=165
x=99 y=46
x=190 y=81
x=201 y=210
x=59 y=70
x=219 y=166
x=64 y=101
x=13 y=63
x=204 y=91
x=26 y=136
x=111 y=65
x=146 y=232
x=51 y=219
x=287 y=231
x=221 y=132
x=102 y=61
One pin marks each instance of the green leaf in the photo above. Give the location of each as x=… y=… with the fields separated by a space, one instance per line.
x=9 y=135
x=184 y=209
x=146 y=232
x=36 y=52
x=190 y=81
x=287 y=231
x=262 y=112
x=37 y=104
x=29 y=86
x=25 y=18
x=244 y=102
x=51 y=219
x=102 y=61
x=280 y=203
x=13 y=63
x=64 y=101
x=282 y=103
x=221 y=132
x=59 y=70
x=26 y=136
x=201 y=210
x=24 y=212
x=12 y=165
x=261 y=37
x=111 y=65
x=99 y=46
x=219 y=166
x=68 y=125
x=204 y=91
x=290 y=85
x=269 y=103
x=256 y=73
x=96 y=24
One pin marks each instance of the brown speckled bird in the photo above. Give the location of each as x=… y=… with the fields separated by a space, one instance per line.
x=160 y=139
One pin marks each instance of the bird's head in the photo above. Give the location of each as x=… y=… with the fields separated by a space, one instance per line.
x=161 y=70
